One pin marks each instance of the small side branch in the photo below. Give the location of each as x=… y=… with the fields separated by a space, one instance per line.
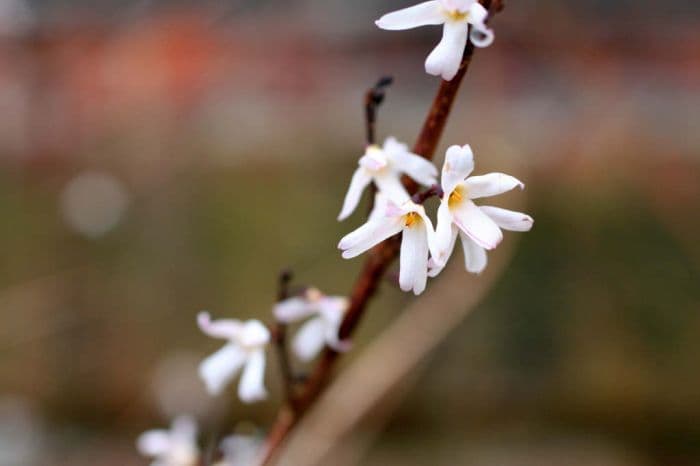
x=373 y=99
x=279 y=336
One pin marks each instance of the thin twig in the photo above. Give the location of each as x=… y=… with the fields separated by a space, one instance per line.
x=373 y=99
x=279 y=336
x=379 y=260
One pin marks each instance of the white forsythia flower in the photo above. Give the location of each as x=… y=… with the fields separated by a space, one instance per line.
x=321 y=329
x=479 y=227
x=384 y=166
x=417 y=240
x=456 y=16
x=245 y=350
x=174 y=447
x=241 y=450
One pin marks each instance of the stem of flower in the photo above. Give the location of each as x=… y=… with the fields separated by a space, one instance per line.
x=279 y=336
x=379 y=260
x=373 y=99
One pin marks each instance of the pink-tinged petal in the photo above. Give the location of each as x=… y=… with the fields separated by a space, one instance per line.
x=374 y=158
x=477 y=225
x=222 y=328
x=369 y=235
x=481 y=35
x=332 y=306
x=251 y=387
x=508 y=219
x=413 y=262
x=389 y=184
x=491 y=184
x=445 y=59
x=221 y=367
x=415 y=166
x=459 y=163
x=293 y=309
x=154 y=442
x=475 y=258
x=423 y=14
x=310 y=339
x=360 y=179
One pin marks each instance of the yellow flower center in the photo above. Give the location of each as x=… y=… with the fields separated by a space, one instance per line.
x=456 y=15
x=456 y=196
x=411 y=218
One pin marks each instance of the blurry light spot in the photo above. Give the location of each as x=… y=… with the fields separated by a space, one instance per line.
x=93 y=203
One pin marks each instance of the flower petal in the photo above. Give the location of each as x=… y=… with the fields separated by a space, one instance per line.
x=508 y=219
x=443 y=233
x=222 y=328
x=413 y=263
x=389 y=184
x=369 y=235
x=254 y=333
x=415 y=166
x=477 y=225
x=435 y=267
x=360 y=179
x=292 y=310
x=491 y=184
x=310 y=339
x=445 y=59
x=184 y=430
x=218 y=369
x=251 y=388
x=477 y=13
x=459 y=163
x=423 y=14
x=475 y=258
x=153 y=442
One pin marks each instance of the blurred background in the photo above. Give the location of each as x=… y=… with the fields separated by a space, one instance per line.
x=158 y=158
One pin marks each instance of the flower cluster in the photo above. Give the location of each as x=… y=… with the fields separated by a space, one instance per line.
x=425 y=250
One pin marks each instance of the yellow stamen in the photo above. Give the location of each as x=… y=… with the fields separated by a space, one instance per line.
x=456 y=15
x=411 y=218
x=456 y=196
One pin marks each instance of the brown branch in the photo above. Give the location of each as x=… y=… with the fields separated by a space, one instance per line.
x=379 y=260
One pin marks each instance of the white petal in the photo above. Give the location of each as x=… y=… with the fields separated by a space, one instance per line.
x=360 y=179
x=445 y=59
x=218 y=369
x=369 y=235
x=415 y=166
x=457 y=5
x=333 y=305
x=434 y=267
x=389 y=184
x=480 y=34
x=293 y=309
x=413 y=263
x=254 y=333
x=423 y=14
x=309 y=340
x=222 y=328
x=154 y=442
x=459 y=163
x=477 y=225
x=491 y=184
x=477 y=13
x=475 y=258
x=508 y=219
x=251 y=388
x=443 y=233
x=379 y=207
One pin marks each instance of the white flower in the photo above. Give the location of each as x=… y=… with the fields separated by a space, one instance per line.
x=416 y=242
x=321 y=329
x=241 y=450
x=174 y=447
x=479 y=227
x=384 y=166
x=245 y=350
x=456 y=16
